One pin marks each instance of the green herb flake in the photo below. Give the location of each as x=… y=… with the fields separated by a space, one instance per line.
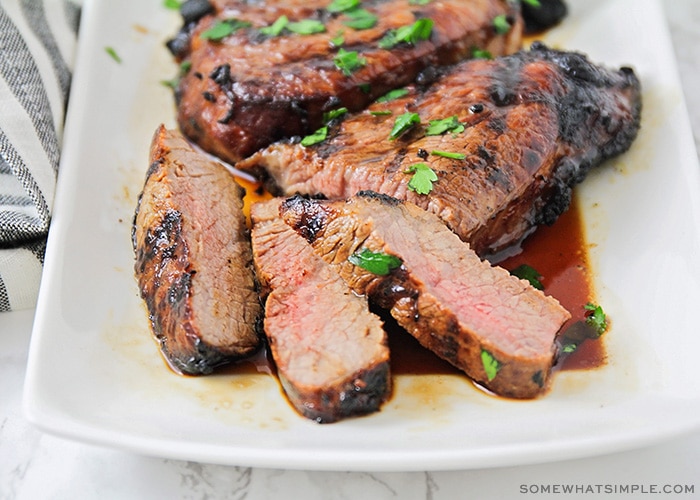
x=365 y=88
x=342 y=5
x=392 y=95
x=481 y=54
x=501 y=24
x=528 y=273
x=381 y=112
x=172 y=4
x=403 y=123
x=360 y=19
x=333 y=114
x=412 y=34
x=318 y=136
x=569 y=348
x=596 y=318
x=276 y=28
x=348 y=61
x=113 y=54
x=375 y=262
x=223 y=28
x=338 y=39
x=418 y=2
x=422 y=180
x=449 y=154
x=491 y=364
x=306 y=27
x=533 y=3
x=439 y=127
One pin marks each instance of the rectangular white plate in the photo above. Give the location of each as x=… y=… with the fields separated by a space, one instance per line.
x=95 y=373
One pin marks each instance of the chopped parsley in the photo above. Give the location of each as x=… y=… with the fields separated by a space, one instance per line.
x=481 y=54
x=375 y=262
x=306 y=27
x=449 y=154
x=113 y=54
x=348 y=61
x=392 y=95
x=528 y=273
x=223 y=28
x=342 y=5
x=334 y=113
x=418 y=2
x=596 y=318
x=413 y=33
x=360 y=19
x=533 y=3
x=439 y=127
x=338 y=39
x=172 y=4
x=403 y=123
x=501 y=24
x=276 y=28
x=381 y=112
x=422 y=180
x=491 y=364
x=318 y=136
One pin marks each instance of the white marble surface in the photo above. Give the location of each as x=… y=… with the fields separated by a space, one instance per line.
x=34 y=465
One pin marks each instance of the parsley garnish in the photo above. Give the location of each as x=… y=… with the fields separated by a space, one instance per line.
x=501 y=24
x=438 y=127
x=392 y=95
x=596 y=318
x=113 y=54
x=275 y=28
x=533 y=3
x=172 y=4
x=413 y=33
x=528 y=273
x=222 y=29
x=449 y=154
x=306 y=27
x=338 y=39
x=418 y=2
x=375 y=262
x=318 y=136
x=360 y=19
x=403 y=123
x=481 y=54
x=334 y=113
x=384 y=112
x=348 y=61
x=342 y=5
x=491 y=364
x=423 y=177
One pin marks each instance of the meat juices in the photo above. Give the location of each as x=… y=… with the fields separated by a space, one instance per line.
x=495 y=327
x=331 y=353
x=193 y=259
x=249 y=89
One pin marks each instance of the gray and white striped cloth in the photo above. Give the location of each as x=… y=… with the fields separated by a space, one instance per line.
x=37 y=45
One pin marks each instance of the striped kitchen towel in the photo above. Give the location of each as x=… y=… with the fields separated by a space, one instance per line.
x=37 y=45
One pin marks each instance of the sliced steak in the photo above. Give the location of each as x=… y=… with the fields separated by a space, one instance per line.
x=534 y=124
x=193 y=259
x=331 y=353
x=249 y=89
x=493 y=326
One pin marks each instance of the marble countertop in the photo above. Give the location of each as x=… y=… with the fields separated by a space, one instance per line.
x=34 y=465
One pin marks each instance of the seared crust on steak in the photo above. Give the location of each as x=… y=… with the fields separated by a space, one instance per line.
x=193 y=259
x=495 y=327
x=534 y=124
x=331 y=353
x=249 y=89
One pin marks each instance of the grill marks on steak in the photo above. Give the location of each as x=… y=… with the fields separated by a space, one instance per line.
x=248 y=90
x=193 y=259
x=455 y=304
x=535 y=123
x=331 y=353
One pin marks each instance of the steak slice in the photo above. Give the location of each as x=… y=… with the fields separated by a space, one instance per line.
x=193 y=259
x=534 y=124
x=331 y=353
x=495 y=327
x=249 y=89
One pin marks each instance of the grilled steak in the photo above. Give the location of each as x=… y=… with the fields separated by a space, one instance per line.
x=252 y=87
x=534 y=124
x=494 y=326
x=331 y=353
x=193 y=259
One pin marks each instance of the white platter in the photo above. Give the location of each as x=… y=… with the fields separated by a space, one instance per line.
x=95 y=374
